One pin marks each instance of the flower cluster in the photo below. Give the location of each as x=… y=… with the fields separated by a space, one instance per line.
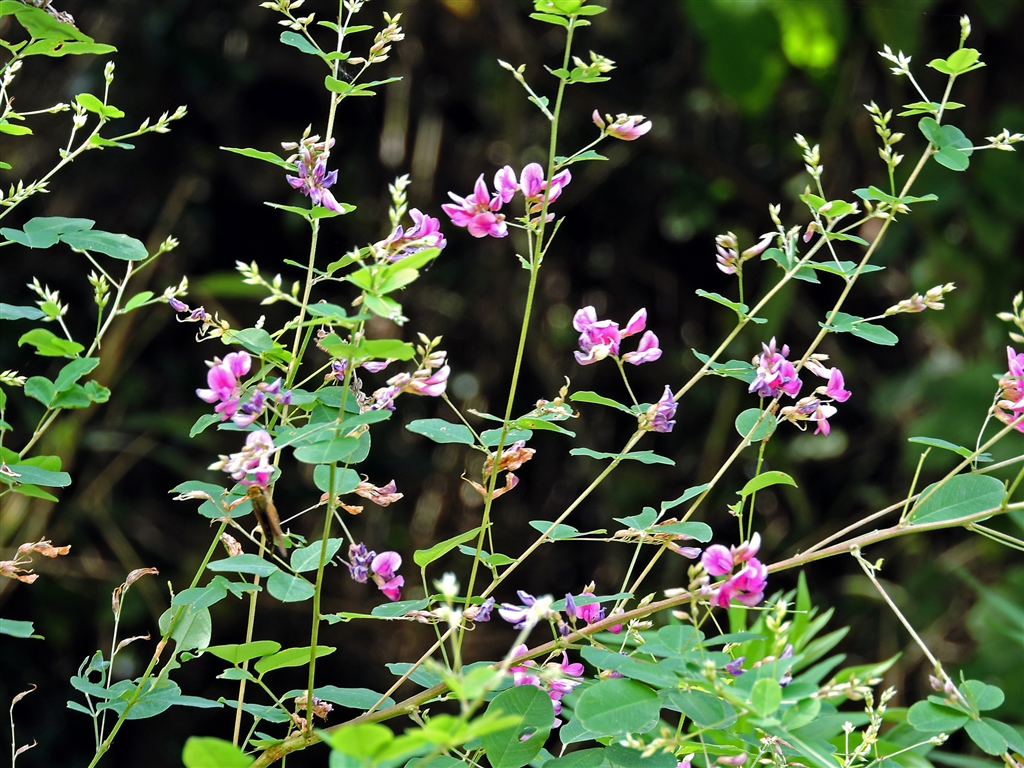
x=624 y=127
x=730 y=260
x=660 y=416
x=590 y=613
x=402 y=243
x=479 y=211
x=381 y=568
x=529 y=613
x=775 y=374
x=746 y=585
x=313 y=180
x=1010 y=403
x=932 y=299
x=556 y=679
x=251 y=465
x=429 y=380
x=225 y=389
x=814 y=408
x=601 y=338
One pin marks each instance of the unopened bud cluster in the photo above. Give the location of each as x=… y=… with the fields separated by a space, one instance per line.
x=1016 y=317
x=889 y=139
x=932 y=299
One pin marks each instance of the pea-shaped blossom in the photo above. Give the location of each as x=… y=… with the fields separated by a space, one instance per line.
x=746 y=576
x=775 y=374
x=223 y=380
x=810 y=409
x=363 y=564
x=1010 y=402
x=660 y=416
x=624 y=127
x=429 y=380
x=251 y=465
x=314 y=179
x=588 y=613
x=601 y=338
x=533 y=186
x=478 y=212
x=402 y=243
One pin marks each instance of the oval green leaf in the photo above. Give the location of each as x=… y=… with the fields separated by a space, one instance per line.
x=441 y=431
x=504 y=748
x=764 y=480
x=291 y=657
x=618 y=706
x=960 y=496
x=746 y=421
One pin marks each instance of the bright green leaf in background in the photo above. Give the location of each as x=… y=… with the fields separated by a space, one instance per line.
x=208 y=752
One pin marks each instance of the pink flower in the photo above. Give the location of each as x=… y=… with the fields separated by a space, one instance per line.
x=223 y=382
x=251 y=465
x=636 y=323
x=533 y=186
x=821 y=415
x=717 y=560
x=625 y=127
x=598 y=339
x=775 y=374
x=1010 y=402
x=433 y=385
x=313 y=179
x=478 y=212
x=382 y=571
x=505 y=184
x=382 y=496
x=425 y=233
x=647 y=352
x=746 y=550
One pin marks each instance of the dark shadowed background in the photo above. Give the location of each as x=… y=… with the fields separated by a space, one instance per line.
x=727 y=84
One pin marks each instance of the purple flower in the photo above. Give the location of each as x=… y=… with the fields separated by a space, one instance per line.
x=433 y=385
x=735 y=667
x=313 y=179
x=478 y=212
x=659 y=417
x=636 y=323
x=481 y=612
x=516 y=615
x=359 y=561
x=425 y=233
x=775 y=374
x=178 y=305
x=505 y=184
x=533 y=186
x=717 y=560
x=647 y=352
x=1010 y=401
x=746 y=587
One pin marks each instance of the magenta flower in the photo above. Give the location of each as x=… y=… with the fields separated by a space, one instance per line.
x=557 y=679
x=589 y=613
x=516 y=615
x=313 y=179
x=647 y=352
x=382 y=571
x=775 y=374
x=717 y=560
x=746 y=550
x=659 y=417
x=251 y=465
x=505 y=184
x=223 y=381
x=1010 y=401
x=636 y=323
x=478 y=212
x=533 y=186
x=624 y=127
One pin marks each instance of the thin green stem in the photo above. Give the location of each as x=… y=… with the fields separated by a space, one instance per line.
x=318 y=591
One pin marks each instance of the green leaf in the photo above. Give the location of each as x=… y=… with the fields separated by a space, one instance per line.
x=561 y=162
x=1013 y=737
x=618 y=706
x=116 y=246
x=240 y=652
x=389 y=348
x=288 y=588
x=644 y=457
x=328 y=451
x=495 y=560
x=848 y=238
x=41 y=389
x=734 y=369
x=73 y=371
x=963 y=60
x=350 y=698
x=11 y=312
x=593 y=397
x=561 y=532
x=550 y=18
x=688 y=494
x=582 y=758
x=345 y=480
x=737 y=307
x=697 y=531
x=765 y=696
x=362 y=740
x=627 y=757
x=745 y=423
x=256 y=340
x=959 y=496
x=137 y=301
x=657 y=675
x=193 y=628
x=49 y=345
x=267 y=157
x=492 y=437
x=290 y=657
x=953 y=158
x=986 y=737
x=424 y=557
x=251 y=564
x=399 y=608
x=844 y=323
x=92 y=104
x=640 y=522
x=932 y=718
x=935 y=442
x=764 y=480
x=705 y=710
x=295 y=40
x=29 y=473
x=209 y=752
x=504 y=748
x=441 y=431
x=15 y=628
x=982 y=696
x=308 y=558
